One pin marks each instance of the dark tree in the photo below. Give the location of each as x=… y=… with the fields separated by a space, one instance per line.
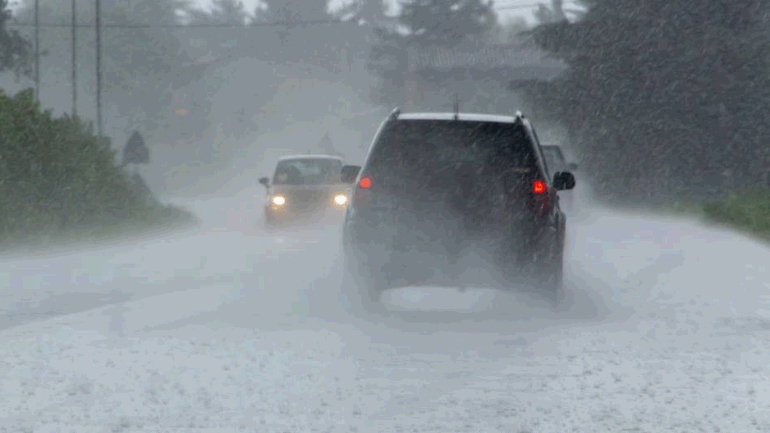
x=222 y=12
x=429 y=23
x=447 y=23
x=15 y=50
x=292 y=13
x=671 y=93
x=371 y=11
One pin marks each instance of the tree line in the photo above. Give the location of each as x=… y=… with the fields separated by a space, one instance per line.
x=158 y=54
x=660 y=97
x=160 y=58
x=664 y=98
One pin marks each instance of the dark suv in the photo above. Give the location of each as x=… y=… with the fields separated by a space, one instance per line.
x=436 y=185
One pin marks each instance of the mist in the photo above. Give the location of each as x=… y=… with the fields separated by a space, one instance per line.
x=431 y=268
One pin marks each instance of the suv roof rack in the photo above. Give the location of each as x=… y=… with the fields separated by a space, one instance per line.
x=394 y=114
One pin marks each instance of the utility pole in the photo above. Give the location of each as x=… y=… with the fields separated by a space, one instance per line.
x=74 y=62
x=37 y=50
x=99 y=67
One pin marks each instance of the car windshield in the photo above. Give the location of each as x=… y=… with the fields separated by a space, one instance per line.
x=417 y=153
x=554 y=158
x=307 y=171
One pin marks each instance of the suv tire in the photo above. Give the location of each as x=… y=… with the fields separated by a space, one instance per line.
x=511 y=261
x=553 y=285
x=550 y=272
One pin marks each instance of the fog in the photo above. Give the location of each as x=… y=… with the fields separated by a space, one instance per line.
x=250 y=320
x=239 y=104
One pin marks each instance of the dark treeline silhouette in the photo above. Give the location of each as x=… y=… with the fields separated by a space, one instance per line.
x=661 y=98
x=664 y=98
x=163 y=61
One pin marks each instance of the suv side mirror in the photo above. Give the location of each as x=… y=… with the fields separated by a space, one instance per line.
x=349 y=173
x=572 y=166
x=563 y=180
x=264 y=181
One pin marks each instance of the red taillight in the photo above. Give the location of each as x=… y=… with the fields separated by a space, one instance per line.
x=365 y=182
x=539 y=187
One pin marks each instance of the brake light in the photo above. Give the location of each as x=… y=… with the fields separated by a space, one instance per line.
x=365 y=182
x=539 y=187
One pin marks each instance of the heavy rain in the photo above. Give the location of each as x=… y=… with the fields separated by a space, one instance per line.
x=384 y=216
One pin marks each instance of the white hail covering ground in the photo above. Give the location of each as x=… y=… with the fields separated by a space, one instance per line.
x=665 y=329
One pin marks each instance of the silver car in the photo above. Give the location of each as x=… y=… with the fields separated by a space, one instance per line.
x=305 y=188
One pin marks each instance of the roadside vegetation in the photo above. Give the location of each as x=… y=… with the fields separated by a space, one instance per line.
x=748 y=211
x=58 y=182
x=667 y=123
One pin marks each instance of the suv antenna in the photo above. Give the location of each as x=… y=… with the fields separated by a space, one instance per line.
x=457 y=106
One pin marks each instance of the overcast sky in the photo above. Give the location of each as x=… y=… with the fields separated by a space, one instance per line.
x=505 y=8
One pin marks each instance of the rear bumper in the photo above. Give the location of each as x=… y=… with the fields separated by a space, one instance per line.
x=377 y=248
x=381 y=269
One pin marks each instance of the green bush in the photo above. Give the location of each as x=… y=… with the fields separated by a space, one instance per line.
x=749 y=211
x=57 y=179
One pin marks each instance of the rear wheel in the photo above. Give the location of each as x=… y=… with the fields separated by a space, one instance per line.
x=538 y=270
x=551 y=272
x=510 y=262
x=553 y=285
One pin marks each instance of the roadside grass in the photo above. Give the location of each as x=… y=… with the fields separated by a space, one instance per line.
x=747 y=211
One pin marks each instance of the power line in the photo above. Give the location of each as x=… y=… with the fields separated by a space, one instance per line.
x=98 y=18
x=74 y=61
x=193 y=25
x=37 y=50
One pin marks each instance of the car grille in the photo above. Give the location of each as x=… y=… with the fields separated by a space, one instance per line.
x=307 y=199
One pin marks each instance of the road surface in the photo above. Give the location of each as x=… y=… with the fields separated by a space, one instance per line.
x=228 y=329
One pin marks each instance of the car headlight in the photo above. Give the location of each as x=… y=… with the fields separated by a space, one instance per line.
x=278 y=200
x=340 y=199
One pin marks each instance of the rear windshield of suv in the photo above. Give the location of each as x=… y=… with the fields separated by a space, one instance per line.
x=417 y=152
